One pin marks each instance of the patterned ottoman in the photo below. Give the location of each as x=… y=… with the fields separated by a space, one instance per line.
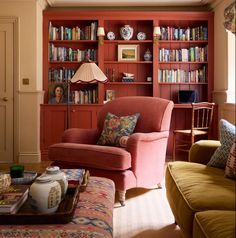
x=93 y=216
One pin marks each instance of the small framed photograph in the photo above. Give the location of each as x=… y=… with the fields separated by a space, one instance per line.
x=110 y=95
x=57 y=93
x=128 y=52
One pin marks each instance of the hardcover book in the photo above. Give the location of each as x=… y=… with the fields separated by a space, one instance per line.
x=13 y=198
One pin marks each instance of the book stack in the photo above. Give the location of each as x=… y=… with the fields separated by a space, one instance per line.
x=75 y=176
x=12 y=199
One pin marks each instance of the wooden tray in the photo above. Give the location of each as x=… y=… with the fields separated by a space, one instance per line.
x=64 y=214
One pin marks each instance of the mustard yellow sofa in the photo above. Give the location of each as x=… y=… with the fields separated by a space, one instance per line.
x=201 y=198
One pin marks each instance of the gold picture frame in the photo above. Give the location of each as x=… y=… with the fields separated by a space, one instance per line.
x=128 y=52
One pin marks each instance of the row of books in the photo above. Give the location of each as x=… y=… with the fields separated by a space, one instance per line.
x=69 y=54
x=73 y=33
x=89 y=96
x=60 y=75
x=177 y=33
x=182 y=76
x=193 y=54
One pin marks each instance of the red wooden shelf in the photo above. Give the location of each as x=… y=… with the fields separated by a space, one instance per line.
x=127 y=41
x=130 y=83
x=127 y=62
x=193 y=83
x=181 y=62
x=67 y=62
x=183 y=41
x=73 y=41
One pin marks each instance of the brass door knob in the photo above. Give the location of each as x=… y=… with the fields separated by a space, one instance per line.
x=5 y=99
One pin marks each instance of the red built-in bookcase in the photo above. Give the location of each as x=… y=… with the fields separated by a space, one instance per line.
x=56 y=118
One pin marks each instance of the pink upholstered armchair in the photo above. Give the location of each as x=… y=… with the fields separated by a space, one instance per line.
x=140 y=164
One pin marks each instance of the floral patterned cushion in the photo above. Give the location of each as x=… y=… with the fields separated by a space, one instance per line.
x=116 y=127
x=227 y=136
x=230 y=169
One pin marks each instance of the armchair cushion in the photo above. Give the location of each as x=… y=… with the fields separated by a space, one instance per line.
x=95 y=156
x=116 y=127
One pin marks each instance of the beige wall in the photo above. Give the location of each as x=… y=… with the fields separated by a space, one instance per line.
x=226 y=110
x=28 y=65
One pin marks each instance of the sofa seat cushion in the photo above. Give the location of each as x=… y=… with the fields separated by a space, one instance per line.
x=214 y=224
x=193 y=187
x=95 y=156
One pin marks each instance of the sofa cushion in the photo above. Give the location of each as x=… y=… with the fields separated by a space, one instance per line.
x=214 y=224
x=193 y=187
x=227 y=136
x=230 y=169
x=95 y=156
x=115 y=127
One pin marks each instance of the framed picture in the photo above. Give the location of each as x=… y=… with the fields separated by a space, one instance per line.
x=128 y=52
x=110 y=95
x=57 y=93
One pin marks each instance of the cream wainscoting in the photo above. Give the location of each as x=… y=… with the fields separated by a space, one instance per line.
x=28 y=65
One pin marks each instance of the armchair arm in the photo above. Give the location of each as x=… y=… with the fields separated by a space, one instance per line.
x=202 y=150
x=148 y=152
x=79 y=135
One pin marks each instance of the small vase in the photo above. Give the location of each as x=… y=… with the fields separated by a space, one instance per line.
x=126 y=32
x=147 y=55
x=55 y=173
x=45 y=194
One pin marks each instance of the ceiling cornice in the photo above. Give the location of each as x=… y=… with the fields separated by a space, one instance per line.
x=120 y=3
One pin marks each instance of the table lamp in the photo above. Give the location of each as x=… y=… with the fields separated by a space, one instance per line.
x=88 y=72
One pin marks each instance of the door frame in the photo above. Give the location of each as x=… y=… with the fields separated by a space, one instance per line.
x=15 y=21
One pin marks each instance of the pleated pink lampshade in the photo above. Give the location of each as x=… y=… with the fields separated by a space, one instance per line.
x=89 y=73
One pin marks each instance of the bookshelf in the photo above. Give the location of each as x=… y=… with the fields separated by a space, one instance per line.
x=182 y=59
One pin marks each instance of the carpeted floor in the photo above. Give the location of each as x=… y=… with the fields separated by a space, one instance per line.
x=146 y=215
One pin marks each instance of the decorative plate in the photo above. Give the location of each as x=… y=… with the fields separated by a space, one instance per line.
x=141 y=36
x=111 y=35
x=28 y=178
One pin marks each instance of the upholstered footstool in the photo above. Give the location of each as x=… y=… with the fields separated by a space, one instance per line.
x=214 y=224
x=93 y=216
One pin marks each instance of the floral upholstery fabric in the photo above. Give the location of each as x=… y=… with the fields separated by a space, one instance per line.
x=227 y=136
x=116 y=127
x=93 y=216
x=230 y=169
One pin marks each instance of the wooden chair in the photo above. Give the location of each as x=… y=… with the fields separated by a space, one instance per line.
x=202 y=114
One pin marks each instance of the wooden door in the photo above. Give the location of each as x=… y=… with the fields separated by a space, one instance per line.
x=6 y=92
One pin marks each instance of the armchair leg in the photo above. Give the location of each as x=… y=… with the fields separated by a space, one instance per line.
x=159 y=186
x=122 y=197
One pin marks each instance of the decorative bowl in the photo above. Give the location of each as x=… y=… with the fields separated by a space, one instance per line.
x=28 y=178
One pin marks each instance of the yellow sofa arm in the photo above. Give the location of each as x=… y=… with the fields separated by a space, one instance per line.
x=202 y=150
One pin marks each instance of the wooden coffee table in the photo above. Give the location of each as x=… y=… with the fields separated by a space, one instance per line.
x=37 y=167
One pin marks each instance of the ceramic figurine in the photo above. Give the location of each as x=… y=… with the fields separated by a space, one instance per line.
x=147 y=55
x=45 y=194
x=126 y=32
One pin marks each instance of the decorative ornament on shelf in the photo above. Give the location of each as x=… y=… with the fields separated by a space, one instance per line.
x=147 y=55
x=126 y=32
x=141 y=36
x=111 y=35
x=156 y=34
x=229 y=15
x=101 y=34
